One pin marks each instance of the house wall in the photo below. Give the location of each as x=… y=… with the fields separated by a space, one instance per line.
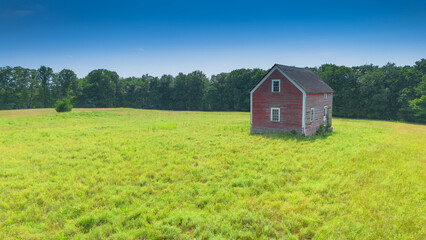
x=317 y=101
x=289 y=100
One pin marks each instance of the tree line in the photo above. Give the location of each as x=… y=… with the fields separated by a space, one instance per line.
x=389 y=92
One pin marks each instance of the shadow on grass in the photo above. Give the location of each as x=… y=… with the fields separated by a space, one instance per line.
x=295 y=137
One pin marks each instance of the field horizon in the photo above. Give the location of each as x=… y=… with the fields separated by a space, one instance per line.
x=122 y=173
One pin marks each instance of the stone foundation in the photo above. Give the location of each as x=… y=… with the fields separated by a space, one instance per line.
x=276 y=130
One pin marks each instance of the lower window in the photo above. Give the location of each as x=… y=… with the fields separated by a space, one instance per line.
x=275 y=114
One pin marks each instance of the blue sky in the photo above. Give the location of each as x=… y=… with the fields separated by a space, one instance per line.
x=168 y=37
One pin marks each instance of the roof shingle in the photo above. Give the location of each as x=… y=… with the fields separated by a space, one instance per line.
x=306 y=79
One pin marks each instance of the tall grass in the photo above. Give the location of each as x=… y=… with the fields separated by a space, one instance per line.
x=139 y=174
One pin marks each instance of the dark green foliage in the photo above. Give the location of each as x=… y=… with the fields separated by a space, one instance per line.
x=100 y=89
x=320 y=130
x=231 y=91
x=65 y=83
x=324 y=128
x=388 y=92
x=44 y=75
x=188 y=91
x=63 y=105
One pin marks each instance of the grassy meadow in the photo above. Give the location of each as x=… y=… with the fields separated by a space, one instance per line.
x=144 y=174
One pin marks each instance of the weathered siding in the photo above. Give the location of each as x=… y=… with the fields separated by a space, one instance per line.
x=289 y=100
x=317 y=101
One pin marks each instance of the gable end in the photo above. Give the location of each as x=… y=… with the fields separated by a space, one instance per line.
x=275 y=67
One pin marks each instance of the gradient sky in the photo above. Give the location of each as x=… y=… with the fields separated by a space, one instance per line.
x=168 y=37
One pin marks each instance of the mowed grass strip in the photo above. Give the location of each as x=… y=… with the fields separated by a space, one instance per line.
x=145 y=174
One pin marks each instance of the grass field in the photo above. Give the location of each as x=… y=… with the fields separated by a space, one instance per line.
x=139 y=174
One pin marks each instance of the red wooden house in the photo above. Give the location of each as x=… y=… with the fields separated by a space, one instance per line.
x=290 y=98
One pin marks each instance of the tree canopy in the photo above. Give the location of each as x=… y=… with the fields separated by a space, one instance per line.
x=389 y=92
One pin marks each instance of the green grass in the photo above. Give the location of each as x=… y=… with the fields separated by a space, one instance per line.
x=139 y=174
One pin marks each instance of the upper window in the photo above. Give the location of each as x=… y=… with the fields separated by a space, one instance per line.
x=275 y=114
x=312 y=114
x=276 y=85
x=325 y=95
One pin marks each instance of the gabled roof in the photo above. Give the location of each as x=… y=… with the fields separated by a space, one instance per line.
x=305 y=78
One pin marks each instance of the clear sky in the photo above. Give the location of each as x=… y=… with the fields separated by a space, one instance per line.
x=167 y=37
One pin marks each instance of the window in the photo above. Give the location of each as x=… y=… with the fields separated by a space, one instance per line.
x=275 y=114
x=325 y=95
x=276 y=85
x=325 y=115
x=312 y=114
